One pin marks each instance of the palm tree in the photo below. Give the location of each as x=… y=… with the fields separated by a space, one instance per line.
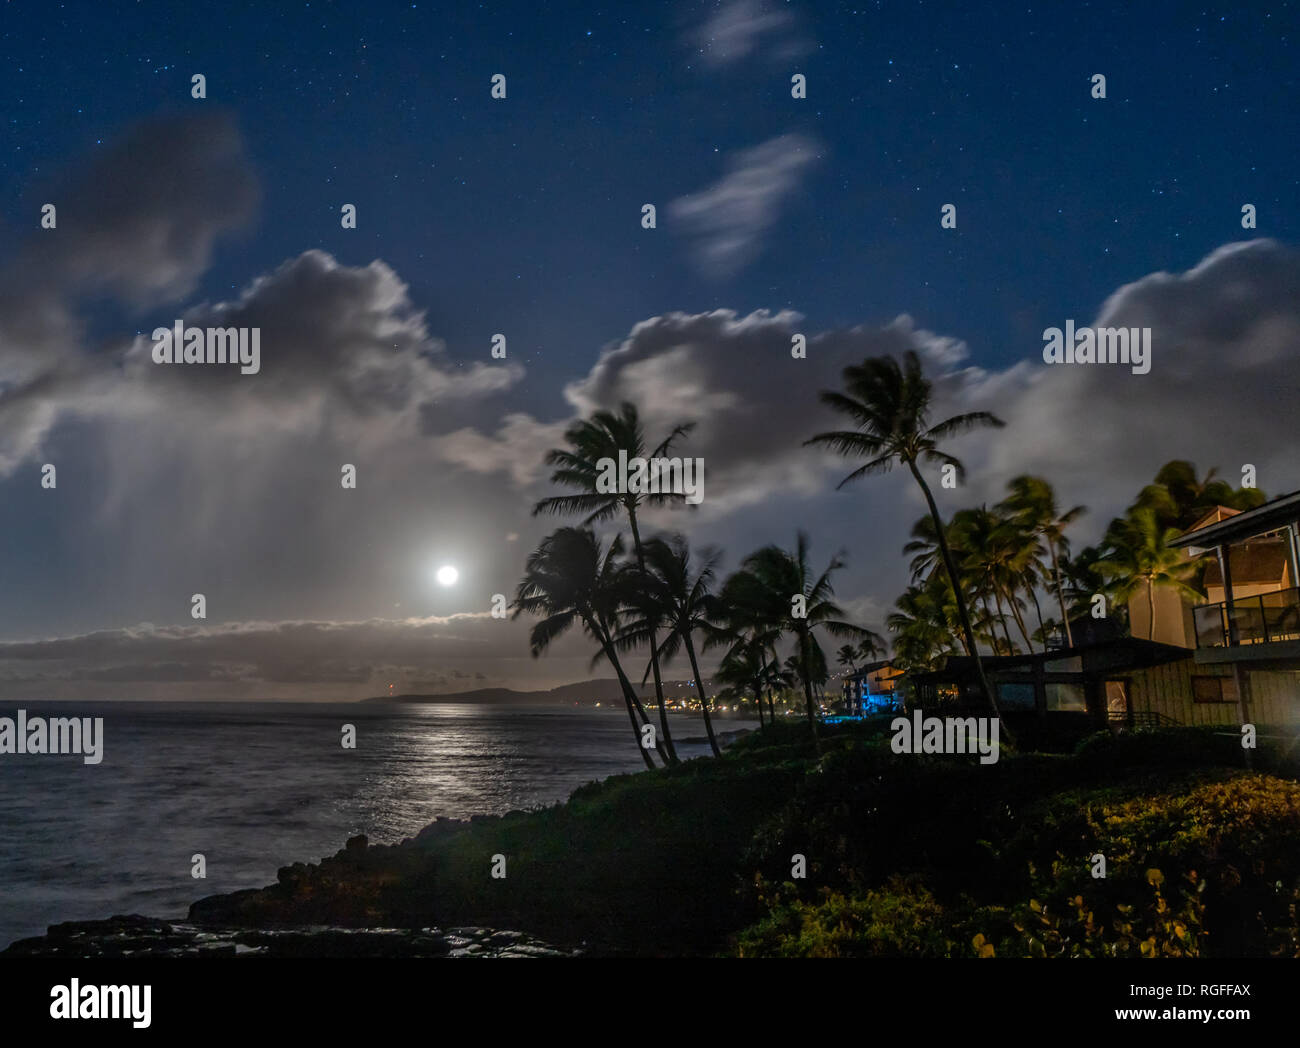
x=1180 y=499
x=591 y=441
x=1083 y=578
x=743 y=668
x=569 y=580
x=1007 y=553
x=771 y=585
x=889 y=405
x=979 y=550
x=750 y=637
x=871 y=647
x=920 y=628
x=927 y=562
x=1032 y=502
x=927 y=557
x=677 y=595
x=1143 y=560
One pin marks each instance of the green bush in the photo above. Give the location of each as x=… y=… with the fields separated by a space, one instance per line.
x=1162 y=748
x=903 y=920
x=1209 y=866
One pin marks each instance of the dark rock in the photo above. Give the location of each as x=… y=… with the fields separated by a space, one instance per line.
x=222 y=909
x=137 y=936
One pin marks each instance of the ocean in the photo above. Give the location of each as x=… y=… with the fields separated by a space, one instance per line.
x=256 y=786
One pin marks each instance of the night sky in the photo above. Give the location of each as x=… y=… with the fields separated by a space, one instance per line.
x=522 y=216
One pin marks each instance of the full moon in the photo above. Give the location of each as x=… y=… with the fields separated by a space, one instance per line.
x=447 y=575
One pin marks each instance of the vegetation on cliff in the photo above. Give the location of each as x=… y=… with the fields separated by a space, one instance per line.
x=904 y=856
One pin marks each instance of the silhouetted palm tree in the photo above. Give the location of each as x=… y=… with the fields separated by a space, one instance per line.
x=1033 y=503
x=773 y=585
x=578 y=466
x=871 y=647
x=741 y=671
x=1142 y=561
x=1083 y=579
x=919 y=626
x=928 y=564
x=569 y=580
x=890 y=406
x=1180 y=498
x=750 y=638
x=1000 y=553
x=677 y=595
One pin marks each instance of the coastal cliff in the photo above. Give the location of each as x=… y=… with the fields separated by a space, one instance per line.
x=773 y=850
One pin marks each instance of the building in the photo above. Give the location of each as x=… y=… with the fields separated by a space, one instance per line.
x=872 y=689
x=1231 y=658
x=1080 y=689
x=1245 y=635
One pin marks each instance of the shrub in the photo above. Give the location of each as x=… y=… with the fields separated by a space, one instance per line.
x=1212 y=868
x=902 y=920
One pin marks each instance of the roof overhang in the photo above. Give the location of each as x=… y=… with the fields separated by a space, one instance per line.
x=1245 y=525
x=1122 y=653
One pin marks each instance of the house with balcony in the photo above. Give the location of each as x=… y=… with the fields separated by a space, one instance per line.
x=1230 y=658
x=1245 y=635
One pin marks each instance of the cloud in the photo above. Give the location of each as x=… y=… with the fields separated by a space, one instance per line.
x=1221 y=392
x=519 y=448
x=738 y=29
x=341 y=346
x=753 y=403
x=139 y=220
x=177 y=479
x=1222 y=389
x=727 y=220
x=129 y=228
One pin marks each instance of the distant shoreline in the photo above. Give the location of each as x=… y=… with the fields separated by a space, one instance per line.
x=582 y=692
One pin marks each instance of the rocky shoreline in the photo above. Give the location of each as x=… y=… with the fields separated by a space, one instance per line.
x=329 y=909
x=586 y=877
x=137 y=936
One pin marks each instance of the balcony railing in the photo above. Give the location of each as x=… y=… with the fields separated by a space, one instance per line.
x=1264 y=618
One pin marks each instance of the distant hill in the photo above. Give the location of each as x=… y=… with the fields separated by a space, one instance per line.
x=586 y=691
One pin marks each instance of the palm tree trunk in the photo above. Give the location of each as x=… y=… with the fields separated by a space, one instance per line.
x=654 y=647
x=951 y=568
x=1020 y=622
x=704 y=699
x=811 y=711
x=629 y=697
x=1060 y=595
x=990 y=621
x=1038 y=614
x=608 y=637
x=771 y=707
x=808 y=697
x=956 y=634
x=1006 y=632
x=1151 y=611
x=758 y=701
